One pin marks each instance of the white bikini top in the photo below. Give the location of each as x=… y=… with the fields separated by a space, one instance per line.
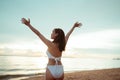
x=52 y=57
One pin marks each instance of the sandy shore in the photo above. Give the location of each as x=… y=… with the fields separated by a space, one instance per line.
x=104 y=74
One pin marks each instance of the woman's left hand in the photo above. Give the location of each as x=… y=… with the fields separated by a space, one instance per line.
x=24 y=21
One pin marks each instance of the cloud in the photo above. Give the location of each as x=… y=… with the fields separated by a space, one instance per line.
x=100 y=44
x=23 y=48
x=101 y=39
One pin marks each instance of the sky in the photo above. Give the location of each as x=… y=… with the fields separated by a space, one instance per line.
x=99 y=34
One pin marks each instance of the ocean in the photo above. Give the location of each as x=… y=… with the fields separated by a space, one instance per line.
x=26 y=66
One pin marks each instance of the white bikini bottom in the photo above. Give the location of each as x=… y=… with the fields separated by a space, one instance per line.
x=56 y=70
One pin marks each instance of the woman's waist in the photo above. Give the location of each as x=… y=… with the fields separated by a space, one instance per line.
x=54 y=62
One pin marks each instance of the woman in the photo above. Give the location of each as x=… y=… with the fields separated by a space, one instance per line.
x=54 y=70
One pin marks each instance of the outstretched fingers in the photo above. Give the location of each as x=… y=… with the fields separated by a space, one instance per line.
x=24 y=21
x=77 y=24
x=29 y=20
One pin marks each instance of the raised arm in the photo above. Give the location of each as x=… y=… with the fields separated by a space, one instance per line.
x=27 y=23
x=71 y=30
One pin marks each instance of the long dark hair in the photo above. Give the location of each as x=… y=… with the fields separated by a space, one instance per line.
x=60 y=39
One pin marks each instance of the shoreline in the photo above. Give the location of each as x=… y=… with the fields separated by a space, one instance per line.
x=99 y=74
x=102 y=74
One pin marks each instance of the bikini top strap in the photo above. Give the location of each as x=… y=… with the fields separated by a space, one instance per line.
x=55 y=58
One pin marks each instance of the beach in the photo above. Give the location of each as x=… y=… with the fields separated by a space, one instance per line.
x=103 y=74
x=33 y=68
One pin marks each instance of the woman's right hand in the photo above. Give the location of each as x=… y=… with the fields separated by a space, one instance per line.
x=24 y=21
x=77 y=24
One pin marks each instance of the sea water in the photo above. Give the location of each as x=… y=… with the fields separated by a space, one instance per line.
x=17 y=65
